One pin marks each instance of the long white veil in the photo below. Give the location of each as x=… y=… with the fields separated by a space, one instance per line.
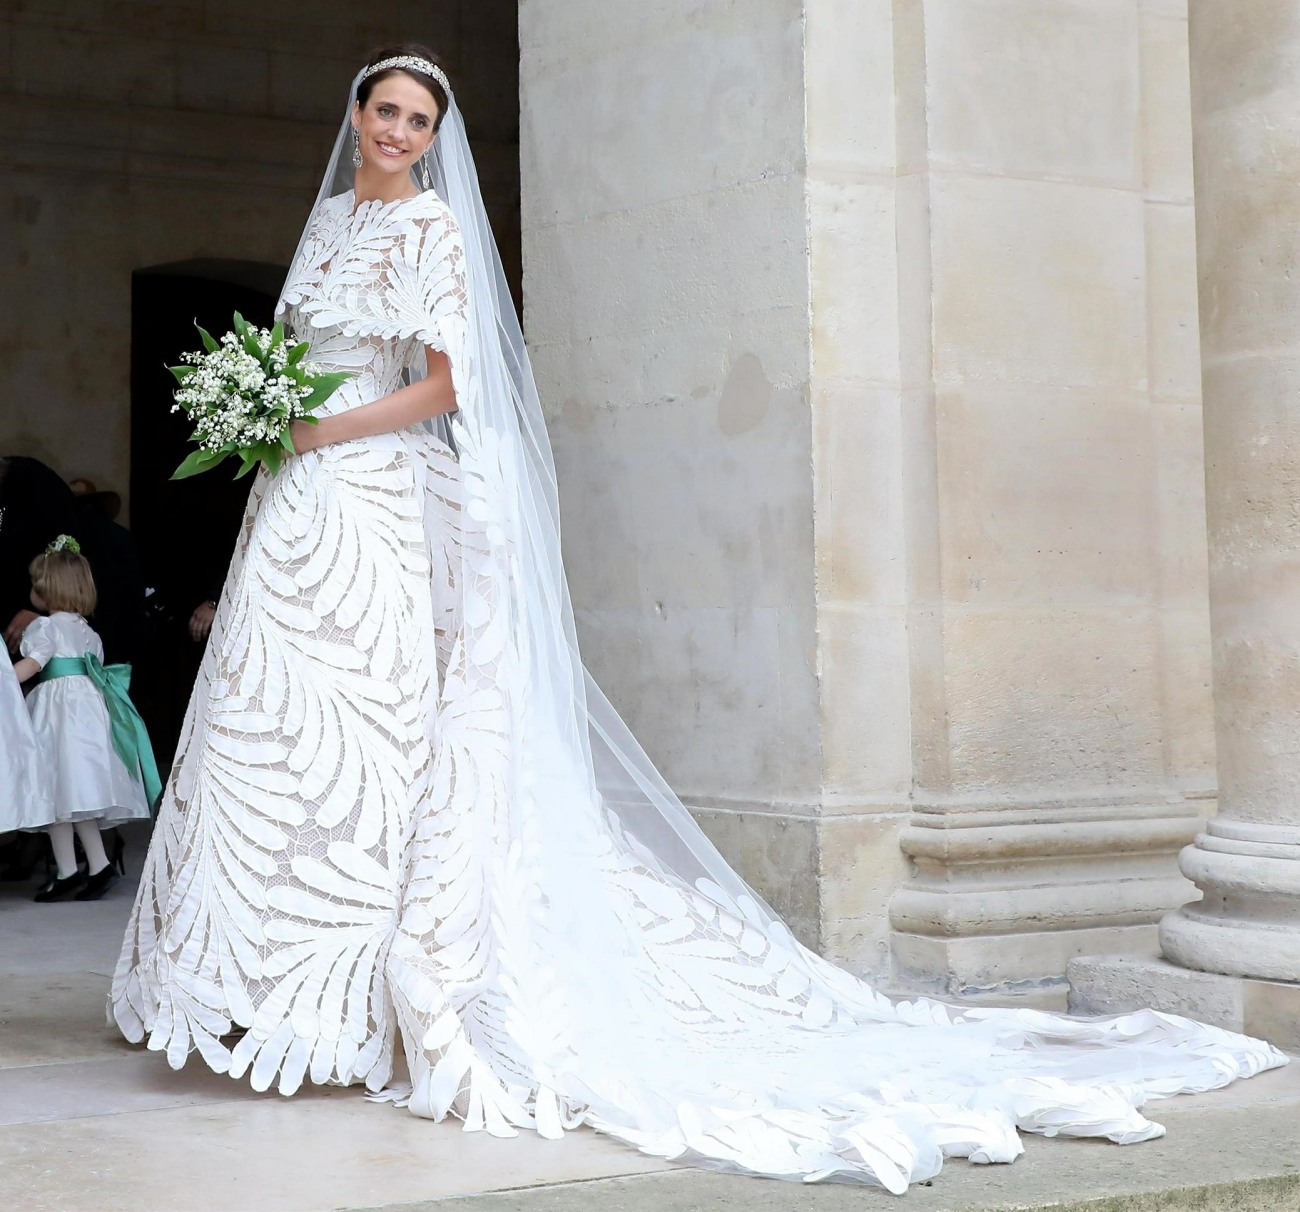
x=508 y=412
x=605 y=964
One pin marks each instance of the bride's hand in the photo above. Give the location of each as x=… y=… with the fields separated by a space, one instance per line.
x=305 y=436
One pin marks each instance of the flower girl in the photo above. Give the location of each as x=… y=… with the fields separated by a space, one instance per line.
x=92 y=743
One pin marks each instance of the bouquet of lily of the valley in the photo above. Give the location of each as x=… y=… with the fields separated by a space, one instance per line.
x=243 y=394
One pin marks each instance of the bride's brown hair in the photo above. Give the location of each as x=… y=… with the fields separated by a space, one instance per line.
x=415 y=50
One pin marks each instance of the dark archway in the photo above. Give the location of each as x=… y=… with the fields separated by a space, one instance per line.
x=185 y=530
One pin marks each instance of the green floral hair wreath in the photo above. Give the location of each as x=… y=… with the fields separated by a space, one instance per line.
x=64 y=542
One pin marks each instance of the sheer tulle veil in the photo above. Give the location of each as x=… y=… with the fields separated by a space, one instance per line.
x=606 y=766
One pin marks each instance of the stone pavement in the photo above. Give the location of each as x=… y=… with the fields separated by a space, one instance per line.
x=89 y=1123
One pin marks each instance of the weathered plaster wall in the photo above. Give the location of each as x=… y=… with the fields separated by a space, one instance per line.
x=145 y=132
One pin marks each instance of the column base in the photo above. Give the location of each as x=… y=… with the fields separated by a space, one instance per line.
x=1003 y=896
x=1237 y=948
x=1248 y=920
x=1118 y=984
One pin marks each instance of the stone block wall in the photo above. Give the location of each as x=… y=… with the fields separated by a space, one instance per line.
x=143 y=132
x=869 y=332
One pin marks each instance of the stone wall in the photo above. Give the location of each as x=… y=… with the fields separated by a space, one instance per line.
x=869 y=333
x=141 y=133
x=666 y=304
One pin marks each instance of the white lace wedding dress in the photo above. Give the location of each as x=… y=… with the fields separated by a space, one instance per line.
x=356 y=847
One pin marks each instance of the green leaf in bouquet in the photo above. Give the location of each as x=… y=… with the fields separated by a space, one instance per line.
x=240 y=326
x=249 y=461
x=208 y=343
x=324 y=386
x=286 y=442
x=298 y=352
x=277 y=335
x=273 y=455
x=182 y=372
x=198 y=461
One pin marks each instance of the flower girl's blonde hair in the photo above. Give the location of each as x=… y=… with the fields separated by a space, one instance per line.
x=63 y=580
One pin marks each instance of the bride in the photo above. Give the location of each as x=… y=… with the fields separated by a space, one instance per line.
x=402 y=812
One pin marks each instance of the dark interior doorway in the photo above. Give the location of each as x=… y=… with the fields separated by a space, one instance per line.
x=185 y=530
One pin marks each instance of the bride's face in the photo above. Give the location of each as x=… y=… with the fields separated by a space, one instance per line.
x=396 y=123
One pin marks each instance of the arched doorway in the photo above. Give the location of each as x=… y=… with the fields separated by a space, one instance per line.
x=186 y=529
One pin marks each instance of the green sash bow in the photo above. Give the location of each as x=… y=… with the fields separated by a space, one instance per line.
x=130 y=737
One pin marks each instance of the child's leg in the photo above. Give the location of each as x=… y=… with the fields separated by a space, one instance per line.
x=65 y=852
x=93 y=845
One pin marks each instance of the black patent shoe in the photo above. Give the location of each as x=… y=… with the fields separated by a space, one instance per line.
x=99 y=883
x=60 y=890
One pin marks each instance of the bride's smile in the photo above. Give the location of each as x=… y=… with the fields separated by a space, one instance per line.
x=395 y=126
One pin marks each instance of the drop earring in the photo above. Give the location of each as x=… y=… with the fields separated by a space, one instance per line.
x=424 y=172
x=356 y=148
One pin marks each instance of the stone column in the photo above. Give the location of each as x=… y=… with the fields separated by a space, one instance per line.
x=1245 y=58
x=1058 y=639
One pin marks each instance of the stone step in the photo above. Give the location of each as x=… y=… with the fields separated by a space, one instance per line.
x=701 y=1192
x=1116 y=984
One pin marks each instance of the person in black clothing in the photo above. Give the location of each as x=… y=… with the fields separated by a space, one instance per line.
x=119 y=616
x=185 y=582
x=186 y=532
x=35 y=507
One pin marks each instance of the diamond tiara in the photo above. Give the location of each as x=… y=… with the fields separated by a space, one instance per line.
x=414 y=63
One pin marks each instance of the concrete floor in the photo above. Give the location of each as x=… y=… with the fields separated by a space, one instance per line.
x=89 y=1123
